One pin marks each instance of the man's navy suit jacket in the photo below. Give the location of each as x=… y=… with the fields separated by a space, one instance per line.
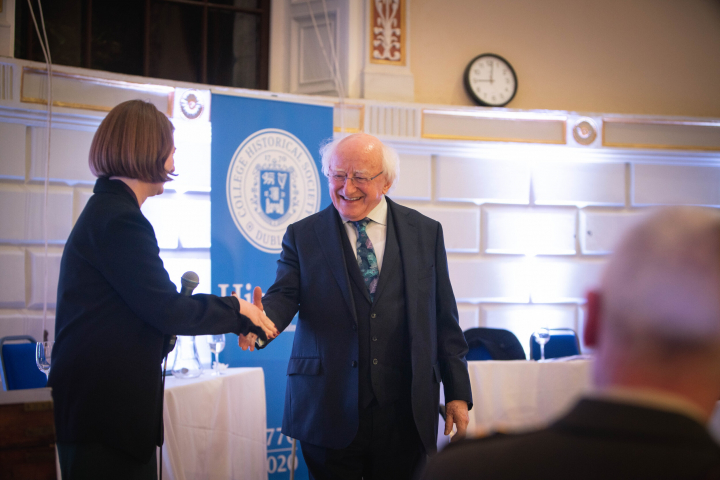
x=321 y=400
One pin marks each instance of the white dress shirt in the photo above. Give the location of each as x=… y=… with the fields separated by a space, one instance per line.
x=376 y=231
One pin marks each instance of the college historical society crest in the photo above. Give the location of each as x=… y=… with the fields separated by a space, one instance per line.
x=272 y=182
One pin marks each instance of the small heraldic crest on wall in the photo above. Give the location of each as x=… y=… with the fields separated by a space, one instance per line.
x=272 y=182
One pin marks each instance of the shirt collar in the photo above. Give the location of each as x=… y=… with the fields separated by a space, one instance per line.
x=377 y=215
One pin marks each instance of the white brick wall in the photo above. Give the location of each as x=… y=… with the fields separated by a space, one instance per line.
x=530 y=230
x=527 y=227
x=482 y=181
x=676 y=185
x=68 y=155
x=12 y=280
x=12 y=154
x=415 y=180
x=36 y=260
x=566 y=183
x=601 y=230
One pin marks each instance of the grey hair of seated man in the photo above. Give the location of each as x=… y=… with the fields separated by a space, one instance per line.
x=655 y=322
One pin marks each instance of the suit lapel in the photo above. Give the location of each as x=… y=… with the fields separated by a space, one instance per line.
x=408 y=240
x=327 y=230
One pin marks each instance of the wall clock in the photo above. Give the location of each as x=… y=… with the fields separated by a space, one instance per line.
x=490 y=80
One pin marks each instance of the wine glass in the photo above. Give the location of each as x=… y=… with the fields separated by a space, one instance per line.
x=43 y=354
x=542 y=336
x=217 y=344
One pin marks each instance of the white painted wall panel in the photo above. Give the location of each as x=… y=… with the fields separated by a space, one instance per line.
x=194 y=222
x=523 y=320
x=12 y=153
x=12 y=324
x=82 y=195
x=12 y=280
x=177 y=263
x=15 y=323
x=21 y=213
x=33 y=325
x=36 y=281
x=567 y=183
x=414 y=180
x=68 y=156
x=530 y=231
x=13 y=212
x=676 y=185
x=192 y=157
x=469 y=316
x=482 y=181
x=600 y=231
x=498 y=280
x=163 y=213
x=563 y=280
x=60 y=213
x=461 y=226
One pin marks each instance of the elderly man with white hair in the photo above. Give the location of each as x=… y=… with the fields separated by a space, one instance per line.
x=655 y=325
x=377 y=329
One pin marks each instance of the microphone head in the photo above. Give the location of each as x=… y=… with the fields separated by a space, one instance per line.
x=189 y=281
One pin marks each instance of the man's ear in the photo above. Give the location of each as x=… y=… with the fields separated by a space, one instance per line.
x=386 y=188
x=592 y=322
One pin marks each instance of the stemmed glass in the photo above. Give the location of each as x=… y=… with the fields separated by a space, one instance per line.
x=542 y=336
x=217 y=344
x=43 y=354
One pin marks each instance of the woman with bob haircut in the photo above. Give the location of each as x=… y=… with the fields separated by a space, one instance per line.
x=117 y=308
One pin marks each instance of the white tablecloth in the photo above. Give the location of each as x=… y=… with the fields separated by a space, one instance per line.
x=215 y=427
x=518 y=394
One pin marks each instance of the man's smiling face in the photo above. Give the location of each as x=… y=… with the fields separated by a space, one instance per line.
x=357 y=156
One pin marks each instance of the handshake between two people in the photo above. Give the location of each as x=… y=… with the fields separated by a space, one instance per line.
x=255 y=312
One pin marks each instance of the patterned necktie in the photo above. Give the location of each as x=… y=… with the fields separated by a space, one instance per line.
x=366 y=258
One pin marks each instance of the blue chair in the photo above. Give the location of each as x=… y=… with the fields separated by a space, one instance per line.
x=492 y=344
x=19 y=370
x=563 y=343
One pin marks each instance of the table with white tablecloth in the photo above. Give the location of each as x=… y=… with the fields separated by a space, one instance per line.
x=517 y=395
x=215 y=426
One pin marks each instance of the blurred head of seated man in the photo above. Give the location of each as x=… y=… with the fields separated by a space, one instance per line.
x=654 y=324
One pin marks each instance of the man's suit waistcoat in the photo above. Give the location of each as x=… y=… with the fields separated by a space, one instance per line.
x=384 y=347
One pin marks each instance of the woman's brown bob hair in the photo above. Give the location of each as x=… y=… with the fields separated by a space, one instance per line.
x=133 y=141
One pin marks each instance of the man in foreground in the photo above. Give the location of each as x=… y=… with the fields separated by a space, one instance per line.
x=655 y=324
x=377 y=329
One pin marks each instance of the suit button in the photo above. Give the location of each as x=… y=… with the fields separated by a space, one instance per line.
x=353 y=363
x=354 y=327
x=374 y=361
x=374 y=338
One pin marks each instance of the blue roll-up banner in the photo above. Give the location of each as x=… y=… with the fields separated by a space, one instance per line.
x=266 y=174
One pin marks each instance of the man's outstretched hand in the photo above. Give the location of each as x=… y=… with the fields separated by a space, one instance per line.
x=255 y=312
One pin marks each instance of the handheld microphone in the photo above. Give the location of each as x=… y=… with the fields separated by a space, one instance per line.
x=189 y=281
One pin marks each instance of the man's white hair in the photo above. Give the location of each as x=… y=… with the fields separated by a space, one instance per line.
x=389 y=157
x=663 y=281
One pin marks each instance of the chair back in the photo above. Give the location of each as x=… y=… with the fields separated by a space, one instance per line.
x=19 y=369
x=493 y=344
x=563 y=343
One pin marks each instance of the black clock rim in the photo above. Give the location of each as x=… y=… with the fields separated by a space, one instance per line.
x=468 y=87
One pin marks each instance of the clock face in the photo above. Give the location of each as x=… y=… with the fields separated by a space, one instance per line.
x=490 y=80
